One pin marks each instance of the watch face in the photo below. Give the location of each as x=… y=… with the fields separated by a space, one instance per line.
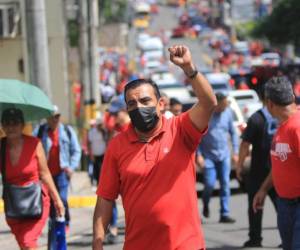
x=193 y=74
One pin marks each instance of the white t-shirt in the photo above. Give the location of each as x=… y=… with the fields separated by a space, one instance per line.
x=98 y=144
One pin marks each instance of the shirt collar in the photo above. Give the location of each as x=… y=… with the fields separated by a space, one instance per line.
x=133 y=137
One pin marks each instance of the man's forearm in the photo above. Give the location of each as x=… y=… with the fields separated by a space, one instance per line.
x=201 y=87
x=102 y=216
x=99 y=233
x=267 y=184
x=243 y=153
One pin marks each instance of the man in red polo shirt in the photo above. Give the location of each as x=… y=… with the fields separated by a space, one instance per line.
x=151 y=164
x=285 y=156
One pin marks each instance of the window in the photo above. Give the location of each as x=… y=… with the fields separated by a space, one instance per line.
x=9 y=20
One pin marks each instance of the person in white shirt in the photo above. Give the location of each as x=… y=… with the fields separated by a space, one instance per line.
x=166 y=110
x=97 y=140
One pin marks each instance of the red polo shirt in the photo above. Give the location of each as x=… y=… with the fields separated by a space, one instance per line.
x=285 y=154
x=157 y=183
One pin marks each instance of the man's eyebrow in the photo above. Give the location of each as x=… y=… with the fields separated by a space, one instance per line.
x=145 y=98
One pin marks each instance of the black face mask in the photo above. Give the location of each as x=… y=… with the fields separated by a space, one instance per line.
x=144 y=119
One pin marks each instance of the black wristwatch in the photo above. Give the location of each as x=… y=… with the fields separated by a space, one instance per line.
x=192 y=75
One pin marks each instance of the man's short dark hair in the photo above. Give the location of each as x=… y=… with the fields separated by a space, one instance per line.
x=138 y=82
x=279 y=90
x=174 y=101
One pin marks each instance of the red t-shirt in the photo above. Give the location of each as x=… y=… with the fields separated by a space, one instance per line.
x=53 y=158
x=285 y=154
x=157 y=183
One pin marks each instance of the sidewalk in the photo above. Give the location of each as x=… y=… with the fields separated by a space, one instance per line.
x=82 y=200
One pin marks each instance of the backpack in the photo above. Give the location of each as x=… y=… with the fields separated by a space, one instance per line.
x=42 y=128
x=270 y=128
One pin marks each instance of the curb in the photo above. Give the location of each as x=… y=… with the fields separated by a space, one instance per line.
x=74 y=202
x=82 y=201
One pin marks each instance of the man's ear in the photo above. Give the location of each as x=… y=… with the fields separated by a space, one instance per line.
x=161 y=103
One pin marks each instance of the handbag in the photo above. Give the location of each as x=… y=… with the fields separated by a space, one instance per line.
x=20 y=202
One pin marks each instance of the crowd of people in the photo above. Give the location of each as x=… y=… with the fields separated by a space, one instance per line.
x=145 y=149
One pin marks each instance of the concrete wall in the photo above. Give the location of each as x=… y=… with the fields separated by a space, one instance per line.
x=57 y=56
x=11 y=50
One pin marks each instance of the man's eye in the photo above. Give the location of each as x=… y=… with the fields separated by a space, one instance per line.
x=145 y=101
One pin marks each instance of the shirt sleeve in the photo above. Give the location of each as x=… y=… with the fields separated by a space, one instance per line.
x=191 y=135
x=251 y=130
x=233 y=134
x=109 y=182
x=75 y=149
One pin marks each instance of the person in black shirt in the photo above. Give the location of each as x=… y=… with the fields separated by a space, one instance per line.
x=258 y=133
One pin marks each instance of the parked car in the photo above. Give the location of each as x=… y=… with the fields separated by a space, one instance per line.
x=247 y=100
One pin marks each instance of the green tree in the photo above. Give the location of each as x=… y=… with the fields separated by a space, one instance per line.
x=283 y=25
x=113 y=10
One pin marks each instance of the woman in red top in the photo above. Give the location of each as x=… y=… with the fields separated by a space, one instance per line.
x=25 y=163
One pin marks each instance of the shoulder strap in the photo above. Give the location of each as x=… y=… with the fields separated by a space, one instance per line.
x=67 y=129
x=270 y=121
x=2 y=156
x=41 y=131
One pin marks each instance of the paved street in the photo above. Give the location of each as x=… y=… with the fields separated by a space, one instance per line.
x=218 y=236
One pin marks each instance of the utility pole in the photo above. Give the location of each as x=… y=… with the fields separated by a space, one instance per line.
x=67 y=85
x=84 y=59
x=93 y=12
x=89 y=24
x=37 y=42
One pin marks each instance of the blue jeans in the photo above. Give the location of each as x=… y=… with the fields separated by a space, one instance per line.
x=62 y=183
x=288 y=220
x=212 y=170
x=114 y=217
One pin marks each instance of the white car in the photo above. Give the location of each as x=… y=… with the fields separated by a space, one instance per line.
x=238 y=118
x=156 y=54
x=271 y=59
x=219 y=81
x=178 y=91
x=150 y=66
x=141 y=38
x=247 y=100
x=241 y=47
x=163 y=78
x=152 y=43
